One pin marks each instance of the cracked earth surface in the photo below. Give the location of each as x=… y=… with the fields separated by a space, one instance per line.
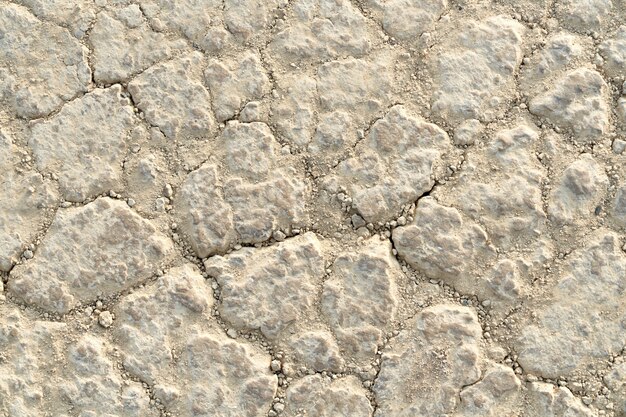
x=359 y=208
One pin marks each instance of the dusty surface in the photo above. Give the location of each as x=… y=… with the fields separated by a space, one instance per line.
x=313 y=208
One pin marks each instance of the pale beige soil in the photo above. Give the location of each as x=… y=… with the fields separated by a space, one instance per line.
x=314 y=208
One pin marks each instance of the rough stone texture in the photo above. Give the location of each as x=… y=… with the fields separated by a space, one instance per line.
x=621 y=113
x=583 y=15
x=76 y=15
x=322 y=29
x=576 y=102
x=125 y=48
x=360 y=298
x=614 y=52
x=294 y=113
x=246 y=387
x=561 y=52
x=164 y=339
x=21 y=214
x=92 y=385
x=22 y=365
x=318 y=396
x=468 y=132
x=269 y=208
x=579 y=191
x=256 y=194
x=473 y=71
x=407 y=19
x=441 y=244
x=587 y=304
x=234 y=83
x=147 y=330
x=429 y=363
x=192 y=18
x=85 y=143
x=92 y=251
x=619 y=204
x=207 y=216
x=269 y=289
x=42 y=65
x=444 y=245
x=547 y=400
x=245 y=18
x=211 y=24
x=504 y=195
x=394 y=165
x=172 y=97
x=358 y=86
x=494 y=395
x=317 y=350
x=40 y=374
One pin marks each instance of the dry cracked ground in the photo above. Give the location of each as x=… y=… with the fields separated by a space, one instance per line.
x=313 y=208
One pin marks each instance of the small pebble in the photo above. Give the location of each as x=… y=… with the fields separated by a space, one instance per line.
x=275 y=365
x=279 y=236
x=105 y=319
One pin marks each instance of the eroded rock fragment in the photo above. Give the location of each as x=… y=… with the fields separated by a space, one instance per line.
x=28 y=196
x=473 y=71
x=468 y=132
x=621 y=112
x=561 y=51
x=496 y=394
x=500 y=186
x=322 y=29
x=165 y=337
x=616 y=381
x=246 y=387
x=46 y=370
x=41 y=65
x=579 y=190
x=92 y=251
x=584 y=319
x=294 y=113
x=614 y=52
x=584 y=15
x=245 y=18
x=317 y=350
x=235 y=82
x=408 y=19
x=172 y=97
x=75 y=15
x=360 y=298
x=429 y=363
x=269 y=289
x=395 y=165
x=441 y=244
x=85 y=143
x=254 y=193
x=548 y=400
x=318 y=396
x=619 y=204
x=121 y=49
x=577 y=102
x=146 y=326
x=92 y=384
x=22 y=391
x=211 y=24
x=361 y=87
x=195 y=19
x=207 y=218
x=335 y=134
